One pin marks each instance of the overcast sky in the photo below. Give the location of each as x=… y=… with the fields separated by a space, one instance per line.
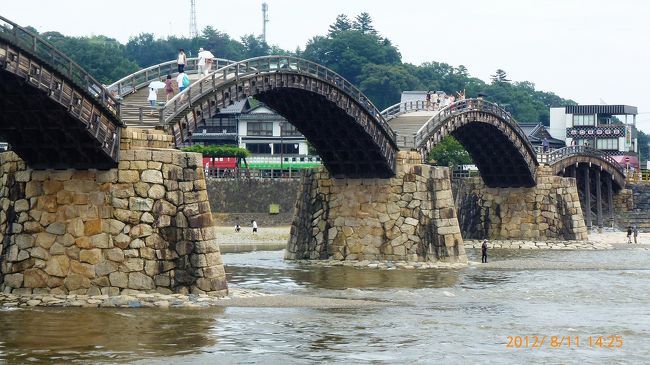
x=591 y=51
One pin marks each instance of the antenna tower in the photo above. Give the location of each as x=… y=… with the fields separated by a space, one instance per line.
x=193 y=29
x=265 y=19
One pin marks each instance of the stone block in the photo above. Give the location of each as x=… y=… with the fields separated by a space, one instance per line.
x=76 y=281
x=35 y=278
x=140 y=281
x=119 y=279
x=58 y=266
x=156 y=192
x=56 y=228
x=128 y=176
x=132 y=264
x=14 y=280
x=92 y=256
x=114 y=254
x=152 y=176
x=85 y=270
x=141 y=204
x=105 y=267
x=102 y=240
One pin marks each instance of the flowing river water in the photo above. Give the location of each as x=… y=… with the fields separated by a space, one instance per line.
x=424 y=316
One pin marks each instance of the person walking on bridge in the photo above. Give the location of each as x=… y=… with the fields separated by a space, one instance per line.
x=180 y=61
x=169 y=88
x=484 y=249
x=635 y=231
x=153 y=99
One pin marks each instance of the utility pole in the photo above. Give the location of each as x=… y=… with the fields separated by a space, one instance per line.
x=193 y=28
x=265 y=19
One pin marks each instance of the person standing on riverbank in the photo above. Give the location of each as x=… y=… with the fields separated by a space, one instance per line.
x=635 y=230
x=254 y=226
x=484 y=252
x=629 y=234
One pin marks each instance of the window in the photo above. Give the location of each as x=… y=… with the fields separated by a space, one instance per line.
x=584 y=142
x=221 y=125
x=579 y=119
x=260 y=148
x=259 y=129
x=289 y=148
x=288 y=130
x=607 y=144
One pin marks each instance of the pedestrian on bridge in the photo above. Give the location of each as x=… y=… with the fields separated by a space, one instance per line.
x=169 y=88
x=484 y=249
x=635 y=231
x=545 y=144
x=153 y=99
x=182 y=58
x=254 y=226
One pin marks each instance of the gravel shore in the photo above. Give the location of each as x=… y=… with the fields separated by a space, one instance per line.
x=265 y=239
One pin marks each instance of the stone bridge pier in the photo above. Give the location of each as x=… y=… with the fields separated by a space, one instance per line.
x=548 y=211
x=410 y=217
x=144 y=226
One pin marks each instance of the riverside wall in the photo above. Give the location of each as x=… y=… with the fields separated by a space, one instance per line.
x=410 y=217
x=145 y=226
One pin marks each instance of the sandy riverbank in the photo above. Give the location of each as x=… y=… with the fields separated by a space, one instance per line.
x=266 y=238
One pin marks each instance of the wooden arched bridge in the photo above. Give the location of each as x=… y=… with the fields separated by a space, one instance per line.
x=55 y=115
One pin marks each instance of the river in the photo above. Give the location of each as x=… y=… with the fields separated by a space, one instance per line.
x=427 y=316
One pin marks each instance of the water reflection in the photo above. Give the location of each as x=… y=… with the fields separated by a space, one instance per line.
x=74 y=334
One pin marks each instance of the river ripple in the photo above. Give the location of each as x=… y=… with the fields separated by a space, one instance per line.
x=457 y=316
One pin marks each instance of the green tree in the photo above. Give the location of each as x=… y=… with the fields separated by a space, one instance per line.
x=384 y=84
x=449 y=152
x=341 y=24
x=500 y=76
x=363 y=24
x=254 y=46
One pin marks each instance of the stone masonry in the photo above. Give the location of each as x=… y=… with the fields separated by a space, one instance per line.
x=410 y=217
x=142 y=227
x=549 y=211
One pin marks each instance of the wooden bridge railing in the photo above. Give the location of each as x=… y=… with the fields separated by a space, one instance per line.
x=553 y=156
x=144 y=77
x=44 y=52
x=398 y=109
x=463 y=106
x=262 y=65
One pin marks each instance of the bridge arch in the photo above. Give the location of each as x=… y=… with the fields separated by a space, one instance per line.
x=346 y=129
x=598 y=178
x=54 y=114
x=498 y=146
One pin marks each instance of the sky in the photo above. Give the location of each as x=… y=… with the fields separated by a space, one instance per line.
x=591 y=51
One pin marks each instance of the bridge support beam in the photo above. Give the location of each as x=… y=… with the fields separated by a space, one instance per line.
x=587 y=191
x=145 y=226
x=610 y=200
x=410 y=217
x=599 y=200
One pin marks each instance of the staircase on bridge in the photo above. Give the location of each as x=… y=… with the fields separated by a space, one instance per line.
x=136 y=110
x=407 y=125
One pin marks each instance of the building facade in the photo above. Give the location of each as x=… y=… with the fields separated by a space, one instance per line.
x=252 y=125
x=609 y=128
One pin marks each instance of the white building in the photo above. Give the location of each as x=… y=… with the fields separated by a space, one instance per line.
x=610 y=128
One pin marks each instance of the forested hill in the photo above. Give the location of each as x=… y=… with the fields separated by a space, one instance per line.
x=352 y=48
